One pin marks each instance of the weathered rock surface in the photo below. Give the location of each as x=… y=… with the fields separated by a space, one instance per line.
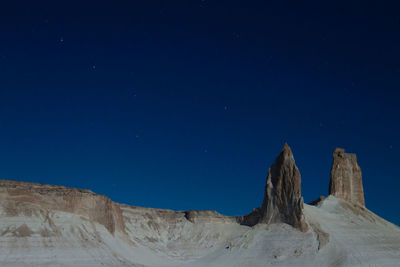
x=282 y=196
x=30 y=198
x=196 y=216
x=346 y=179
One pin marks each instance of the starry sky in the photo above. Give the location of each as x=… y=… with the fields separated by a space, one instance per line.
x=185 y=104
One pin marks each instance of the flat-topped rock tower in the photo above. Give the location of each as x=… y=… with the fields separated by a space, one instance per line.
x=346 y=179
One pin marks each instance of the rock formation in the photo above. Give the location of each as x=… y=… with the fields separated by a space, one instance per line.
x=46 y=225
x=31 y=198
x=282 y=196
x=316 y=201
x=202 y=216
x=346 y=179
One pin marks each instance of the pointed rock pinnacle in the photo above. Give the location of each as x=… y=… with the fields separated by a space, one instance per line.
x=282 y=196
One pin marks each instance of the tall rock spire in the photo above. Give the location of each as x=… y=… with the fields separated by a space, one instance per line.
x=282 y=196
x=346 y=180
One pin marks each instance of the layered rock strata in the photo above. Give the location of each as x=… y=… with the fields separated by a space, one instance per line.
x=346 y=179
x=196 y=216
x=30 y=198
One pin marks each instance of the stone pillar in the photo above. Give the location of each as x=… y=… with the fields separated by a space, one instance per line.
x=346 y=179
x=282 y=195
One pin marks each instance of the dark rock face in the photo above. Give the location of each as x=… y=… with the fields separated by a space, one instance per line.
x=346 y=178
x=282 y=196
x=316 y=201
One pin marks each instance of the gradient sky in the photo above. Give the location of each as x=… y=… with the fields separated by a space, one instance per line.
x=185 y=104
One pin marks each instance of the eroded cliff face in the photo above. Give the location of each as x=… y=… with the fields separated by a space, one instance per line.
x=346 y=179
x=282 y=197
x=30 y=198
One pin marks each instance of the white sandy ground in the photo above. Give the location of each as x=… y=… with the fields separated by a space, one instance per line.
x=357 y=237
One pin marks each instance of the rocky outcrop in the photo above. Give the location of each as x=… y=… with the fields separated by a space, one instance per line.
x=346 y=179
x=282 y=196
x=206 y=216
x=315 y=202
x=30 y=198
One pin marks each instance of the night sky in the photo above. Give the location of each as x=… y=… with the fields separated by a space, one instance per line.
x=185 y=104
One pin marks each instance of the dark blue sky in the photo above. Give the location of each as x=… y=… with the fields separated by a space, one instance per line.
x=185 y=104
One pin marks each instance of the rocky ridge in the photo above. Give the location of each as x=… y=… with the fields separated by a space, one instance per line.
x=30 y=198
x=282 y=202
x=45 y=225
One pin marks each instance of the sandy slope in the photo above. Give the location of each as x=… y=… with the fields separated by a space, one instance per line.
x=340 y=234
